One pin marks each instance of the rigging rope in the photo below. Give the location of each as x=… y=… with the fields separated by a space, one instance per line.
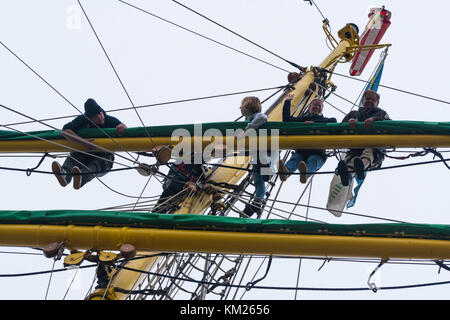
x=115 y=72
x=252 y=284
x=240 y=36
x=203 y=36
x=48 y=84
x=143 y=291
x=396 y=89
x=292 y=288
x=157 y=104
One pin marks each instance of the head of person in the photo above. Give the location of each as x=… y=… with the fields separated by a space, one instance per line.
x=315 y=107
x=250 y=105
x=94 y=112
x=370 y=99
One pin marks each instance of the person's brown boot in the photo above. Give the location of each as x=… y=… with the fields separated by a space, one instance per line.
x=302 y=169
x=58 y=172
x=283 y=170
x=76 y=178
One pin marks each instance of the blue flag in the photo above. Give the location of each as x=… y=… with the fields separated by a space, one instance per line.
x=371 y=85
x=374 y=82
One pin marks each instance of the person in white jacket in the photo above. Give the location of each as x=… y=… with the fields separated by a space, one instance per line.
x=251 y=110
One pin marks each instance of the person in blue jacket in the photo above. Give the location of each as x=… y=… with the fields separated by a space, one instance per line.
x=83 y=167
x=307 y=161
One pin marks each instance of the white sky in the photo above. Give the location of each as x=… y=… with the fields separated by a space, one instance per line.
x=158 y=62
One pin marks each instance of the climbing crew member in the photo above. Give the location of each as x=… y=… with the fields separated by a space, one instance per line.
x=86 y=166
x=306 y=161
x=358 y=160
x=251 y=110
x=180 y=177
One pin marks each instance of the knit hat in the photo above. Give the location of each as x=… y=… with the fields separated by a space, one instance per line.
x=91 y=108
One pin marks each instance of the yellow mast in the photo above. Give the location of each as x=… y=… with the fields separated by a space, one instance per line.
x=227 y=242
x=197 y=205
x=285 y=142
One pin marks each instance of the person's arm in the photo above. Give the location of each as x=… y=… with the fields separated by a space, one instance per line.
x=350 y=115
x=378 y=116
x=69 y=132
x=319 y=119
x=120 y=128
x=287 y=108
x=71 y=136
x=113 y=122
x=381 y=115
x=327 y=120
x=351 y=118
x=258 y=121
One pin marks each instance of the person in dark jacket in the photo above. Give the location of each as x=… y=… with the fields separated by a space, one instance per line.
x=181 y=176
x=83 y=167
x=307 y=161
x=358 y=160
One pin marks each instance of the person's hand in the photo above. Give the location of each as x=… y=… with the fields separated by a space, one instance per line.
x=120 y=128
x=289 y=97
x=368 y=122
x=190 y=186
x=352 y=123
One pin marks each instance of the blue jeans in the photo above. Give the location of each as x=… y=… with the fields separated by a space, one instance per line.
x=258 y=179
x=313 y=163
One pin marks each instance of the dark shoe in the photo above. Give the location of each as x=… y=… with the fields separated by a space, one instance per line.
x=302 y=168
x=255 y=207
x=76 y=178
x=359 y=168
x=258 y=205
x=247 y=212
x=343 y=173
x=58 y=171
x=283 y=170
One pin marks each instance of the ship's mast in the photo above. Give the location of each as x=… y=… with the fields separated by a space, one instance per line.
x=343 y=52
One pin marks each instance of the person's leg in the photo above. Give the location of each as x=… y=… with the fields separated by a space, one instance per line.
x=301 y=166
x=172 y=189
x=367 y=156
x=293 y=162
x=343 y=168
x=314 y=163
x=260 y=190
x=258 y=180
x=64 y=173
x=59 y=173
x=283 y=170
x=82 y=174
x=362 y=162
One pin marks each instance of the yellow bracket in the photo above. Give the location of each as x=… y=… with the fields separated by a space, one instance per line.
x=103 y=294
x=349 y=38
x=77 y=257
x=74 y=259
x=107 y=256
x=353 y=49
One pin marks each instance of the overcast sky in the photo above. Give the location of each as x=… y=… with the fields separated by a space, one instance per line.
x=159 y=62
